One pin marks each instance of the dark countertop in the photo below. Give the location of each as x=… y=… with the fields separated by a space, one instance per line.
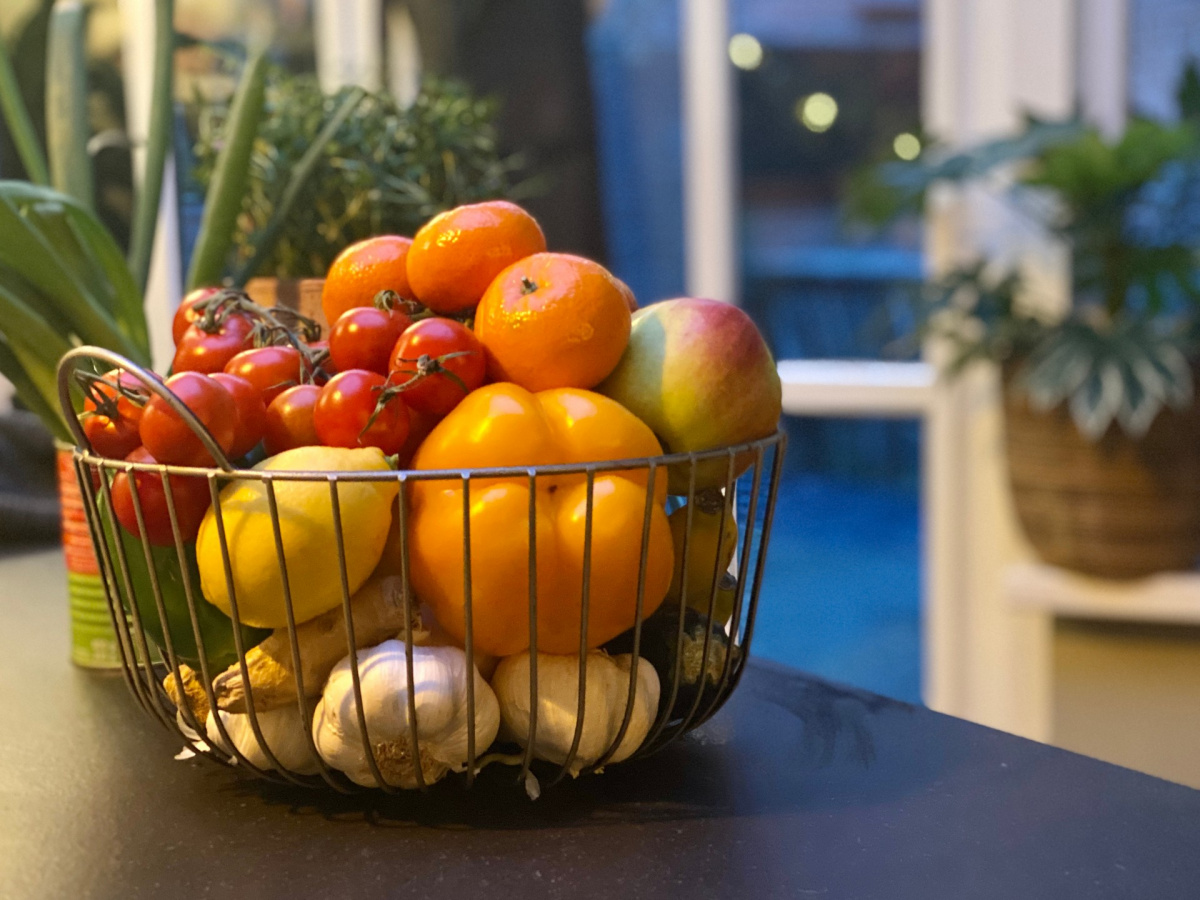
x=798 y=788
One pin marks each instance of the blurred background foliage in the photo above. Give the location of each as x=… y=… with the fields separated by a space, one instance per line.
x=387 y=169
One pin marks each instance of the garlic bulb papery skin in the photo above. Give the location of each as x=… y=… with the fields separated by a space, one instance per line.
x=558 y=705
x=439 y=676
x=284 y=731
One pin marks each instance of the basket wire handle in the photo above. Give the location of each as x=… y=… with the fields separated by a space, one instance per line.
x=149 y=380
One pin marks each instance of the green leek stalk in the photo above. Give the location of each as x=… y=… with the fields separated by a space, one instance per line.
x=66 y=102
x=20 y=125
x=158 y=144
x=226 y=191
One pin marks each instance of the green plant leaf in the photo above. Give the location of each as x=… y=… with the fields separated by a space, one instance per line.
x=20 y=125
x=35 y=344
x=226 y=191
x=386 y=169
x=1188 y=92
x=31 y=394
x=264 y=242
x=66 y=102
x=1124 y=372
x=99 y=262
x=27 y=250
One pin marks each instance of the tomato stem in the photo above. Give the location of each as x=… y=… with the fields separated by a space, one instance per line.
x=105 y=403
x=427 y=365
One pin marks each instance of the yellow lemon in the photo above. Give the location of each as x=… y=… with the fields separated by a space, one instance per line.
x=308 y=536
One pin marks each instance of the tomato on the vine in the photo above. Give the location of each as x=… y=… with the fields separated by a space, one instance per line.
x=439 y=361
x=272 y=370
x=204 y=351
x=111 y=416
x=363 y=338
x=348 y=413
x=289 y=422
x=187 y=313
x=190 y=496
x=251 y=413
x=325 y=367
x=169 y=439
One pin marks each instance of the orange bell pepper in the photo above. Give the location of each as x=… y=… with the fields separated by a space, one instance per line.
x=505 y=425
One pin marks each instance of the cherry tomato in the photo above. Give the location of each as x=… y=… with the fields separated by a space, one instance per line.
x=363 y=338
x=346 y=414
x=169 y=439
x=251 y=414
x=290 y=419
x=112 y=417
x=439 y=379
x=200 y=351
x=272 y=370
x=190 y=495
x=187 y=312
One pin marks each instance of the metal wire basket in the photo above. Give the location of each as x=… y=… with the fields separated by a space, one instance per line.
x=153 y=646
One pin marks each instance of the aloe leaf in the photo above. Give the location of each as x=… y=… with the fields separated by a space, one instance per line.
x=20 y=125
x=66 y=102
x=223 y=202
x=158 y=144
x=34 y=343
x=127 y=304
x=265 y=241
x=52 y=220
x=30 y=393
x=100 y=252
x=26 y=250
x=24 y=326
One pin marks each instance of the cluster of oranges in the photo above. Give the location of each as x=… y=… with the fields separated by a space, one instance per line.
x=544 y=320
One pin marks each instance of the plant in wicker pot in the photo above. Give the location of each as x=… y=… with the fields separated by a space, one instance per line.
x=1102 y=425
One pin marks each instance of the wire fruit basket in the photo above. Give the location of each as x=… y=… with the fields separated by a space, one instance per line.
x=697 y=646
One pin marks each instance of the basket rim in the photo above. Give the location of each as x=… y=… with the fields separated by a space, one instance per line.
x=649 y=463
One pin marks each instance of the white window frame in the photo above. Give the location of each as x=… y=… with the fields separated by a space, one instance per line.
x=985 y=63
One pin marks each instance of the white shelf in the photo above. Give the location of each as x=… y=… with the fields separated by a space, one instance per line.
x=1170 y=597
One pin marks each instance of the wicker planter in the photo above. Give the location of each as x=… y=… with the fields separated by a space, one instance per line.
x=300 y=294
x=1118 y=508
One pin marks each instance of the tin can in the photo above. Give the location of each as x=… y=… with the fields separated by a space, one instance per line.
x=93 y=640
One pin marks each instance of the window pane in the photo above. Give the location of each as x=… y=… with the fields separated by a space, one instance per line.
x=1163 y=36
x=841 y=593
x=633 y=52
x=823 y=90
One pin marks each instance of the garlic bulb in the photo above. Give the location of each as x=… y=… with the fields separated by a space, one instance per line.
x=284 y=731
x=558 y=705
x=439 y=676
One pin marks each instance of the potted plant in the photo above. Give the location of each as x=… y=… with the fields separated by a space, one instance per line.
x=1102 y=425
x=379 y=168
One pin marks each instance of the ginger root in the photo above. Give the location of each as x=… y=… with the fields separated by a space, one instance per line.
x=193 y=692
x=377 y=610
